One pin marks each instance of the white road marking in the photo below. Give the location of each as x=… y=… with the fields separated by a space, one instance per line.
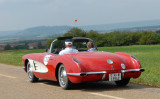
x=7 y=76
x=107 y=96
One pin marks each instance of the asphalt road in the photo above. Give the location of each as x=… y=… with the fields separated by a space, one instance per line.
x=15 y=85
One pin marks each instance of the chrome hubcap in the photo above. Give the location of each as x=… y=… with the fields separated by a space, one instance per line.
x=30 y=73
x=63 y=76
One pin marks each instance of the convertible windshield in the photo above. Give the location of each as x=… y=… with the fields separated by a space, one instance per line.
x=79 y=44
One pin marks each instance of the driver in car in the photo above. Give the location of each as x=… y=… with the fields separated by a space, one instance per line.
x=68 y=49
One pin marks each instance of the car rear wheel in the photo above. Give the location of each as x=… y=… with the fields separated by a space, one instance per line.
x=64 y=82
x=31 y=76
x=122 y=82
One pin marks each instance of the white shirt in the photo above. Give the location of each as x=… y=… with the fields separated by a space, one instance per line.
x=68 y=50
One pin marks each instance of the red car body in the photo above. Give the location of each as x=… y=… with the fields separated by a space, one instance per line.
x=84 y=66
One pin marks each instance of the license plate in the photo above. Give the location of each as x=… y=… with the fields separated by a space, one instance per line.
x=114 y=76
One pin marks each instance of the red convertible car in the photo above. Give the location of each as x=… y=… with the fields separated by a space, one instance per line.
x=82 y=66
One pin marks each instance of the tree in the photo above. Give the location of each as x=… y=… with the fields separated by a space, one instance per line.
x=135 y=38
x=149 y=37
x=115 y=38
x=40 y=45
x=48 y=43
x=97 y=37
x=75 y=32
x=26 y=46
x=7 y=47
x=158 y=31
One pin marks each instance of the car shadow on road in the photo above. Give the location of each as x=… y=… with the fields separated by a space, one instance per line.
x=105 y=86
x=96 y=86
x=48 y=82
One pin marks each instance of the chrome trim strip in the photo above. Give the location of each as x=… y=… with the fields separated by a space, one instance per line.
x=50 y=49
x=133 y=70
x=74 y=74
x=23 y=67
x=86 y=73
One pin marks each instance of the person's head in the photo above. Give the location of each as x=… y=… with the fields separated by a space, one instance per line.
x=68 y=43
x=90 y=45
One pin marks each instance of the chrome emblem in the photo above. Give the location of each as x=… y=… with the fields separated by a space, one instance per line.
x=109 y=61
x=123 y=66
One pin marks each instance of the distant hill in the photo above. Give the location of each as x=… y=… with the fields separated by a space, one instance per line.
x=46 y=32
x=6 y=33
x=140 y=29
x=41 y=32
x=120 y=26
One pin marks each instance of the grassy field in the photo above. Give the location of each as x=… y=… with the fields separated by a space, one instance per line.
x=14 y=57
x=149 y=57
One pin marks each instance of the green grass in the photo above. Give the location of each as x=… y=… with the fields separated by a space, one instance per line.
x=14 y=57
x=149 y=57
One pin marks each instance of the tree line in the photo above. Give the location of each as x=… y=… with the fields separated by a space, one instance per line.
x=9 y=47
x=23 y=46
x=115 y=38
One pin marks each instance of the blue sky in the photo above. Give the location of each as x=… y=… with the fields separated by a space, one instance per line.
x=22 y=14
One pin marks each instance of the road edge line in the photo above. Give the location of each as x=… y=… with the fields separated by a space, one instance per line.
x=7 y=76
x=108 y=96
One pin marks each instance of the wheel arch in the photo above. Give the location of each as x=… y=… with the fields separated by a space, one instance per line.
x=26 y=62
x=57 y=68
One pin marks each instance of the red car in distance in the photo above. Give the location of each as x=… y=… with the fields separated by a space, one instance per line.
x=82 y=66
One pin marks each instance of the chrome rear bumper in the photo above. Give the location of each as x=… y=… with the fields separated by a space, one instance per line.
x=133 y=70
x=104 y=73
x=87 y=73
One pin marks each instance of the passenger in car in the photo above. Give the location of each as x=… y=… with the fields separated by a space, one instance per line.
x=90 y=46
x=68 y=49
